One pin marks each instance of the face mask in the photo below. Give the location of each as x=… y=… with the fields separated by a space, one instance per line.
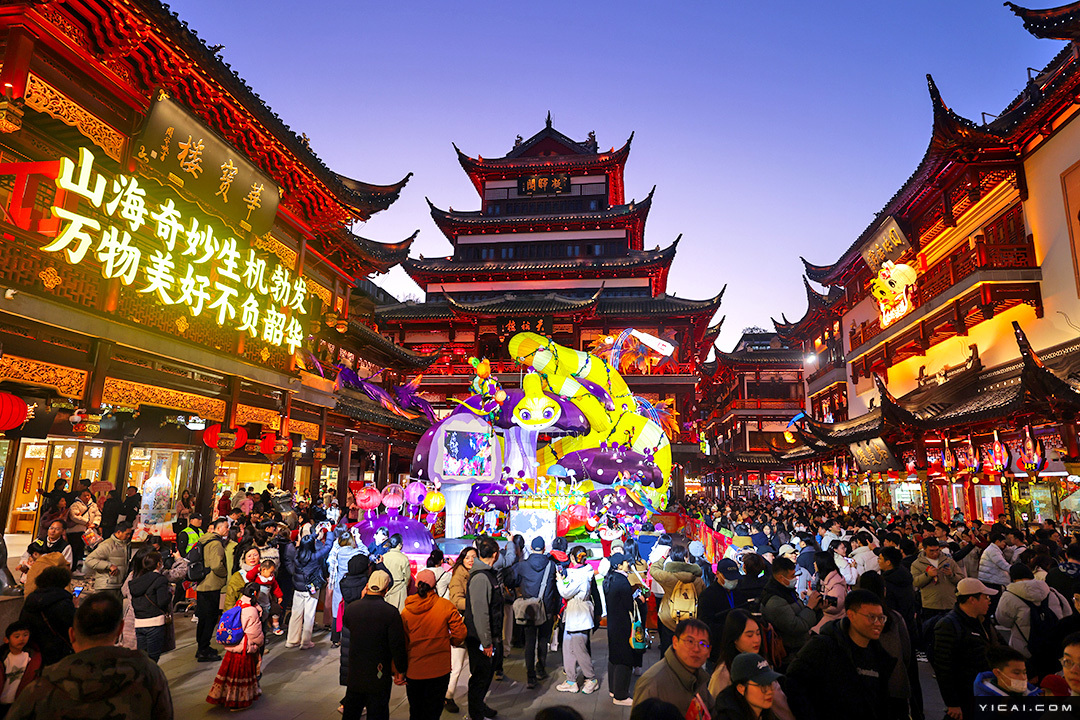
x=794 y=582
x=1014 y=685
x=730 y=584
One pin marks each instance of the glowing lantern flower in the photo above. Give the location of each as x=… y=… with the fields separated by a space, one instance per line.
x=434 y=501
x=415 y=492
x=368 y=498
x=393 y=496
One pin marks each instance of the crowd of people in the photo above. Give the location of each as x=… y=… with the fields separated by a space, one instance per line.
x=811 y=611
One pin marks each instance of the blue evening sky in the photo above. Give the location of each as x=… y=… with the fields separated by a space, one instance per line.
x=771 y=129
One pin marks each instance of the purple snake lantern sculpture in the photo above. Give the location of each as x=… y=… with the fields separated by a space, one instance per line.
x=416 y=538
x=404 y=399
x=616 y=501
x=608 y=463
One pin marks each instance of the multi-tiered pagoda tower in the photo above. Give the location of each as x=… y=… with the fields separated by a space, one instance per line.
x=554 y=249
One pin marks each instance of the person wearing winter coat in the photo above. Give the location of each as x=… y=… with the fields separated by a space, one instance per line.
x=900 y=588
x=752 y=691
x=863 y=556
x=397 y=565
x=905 y=694
x=352 y=588
x=993 y=567
x=84 y=514
x=307 y=575
x=1014 y=614
x=833 y=590
x=935 y=576
x=49 y=611
x=150 y=596
x=432 y=625
x=668 y=573
x=378 y=651
x=575 y=586
x=844 y=565
x=1065 y=578
x=679 y=676
x=341 y=553
x=238 y=579
x=783 y=609
x=18 y=661
x=620 y=606
x=843 y=671
x=483 y=618
x=960 y=642
x=109 y=561
x=530 y=576
x=100 y=680
x=236 y=685
x=455 y=593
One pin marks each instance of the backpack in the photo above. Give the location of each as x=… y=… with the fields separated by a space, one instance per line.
x=230 y=629
x=197 y=570
x=682 y=601
x=1044 y=641
x=772 y=645
x=929 y=629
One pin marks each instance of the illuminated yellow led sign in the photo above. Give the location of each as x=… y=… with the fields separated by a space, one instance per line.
x=193 y=266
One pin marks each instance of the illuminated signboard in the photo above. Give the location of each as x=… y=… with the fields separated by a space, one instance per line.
x=188 y=262
x=873 y=456
x=893 y=282
x=557 y=184
x=176 y=148
x=1032 y=452
x=539 y=325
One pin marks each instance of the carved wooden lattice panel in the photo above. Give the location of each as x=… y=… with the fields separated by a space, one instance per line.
x=24 y=267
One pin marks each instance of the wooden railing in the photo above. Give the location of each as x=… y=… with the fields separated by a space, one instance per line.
x=951 y=269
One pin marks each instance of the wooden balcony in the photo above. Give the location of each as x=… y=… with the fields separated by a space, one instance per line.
x=951 y=270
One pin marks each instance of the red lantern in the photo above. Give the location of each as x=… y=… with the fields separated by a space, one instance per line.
x=273 y=445
x=224 y=441
x=12 y=411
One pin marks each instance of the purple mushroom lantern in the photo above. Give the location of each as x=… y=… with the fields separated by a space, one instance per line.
x=415 y=492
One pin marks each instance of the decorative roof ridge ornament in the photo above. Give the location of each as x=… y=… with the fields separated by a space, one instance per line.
x=1057 y=23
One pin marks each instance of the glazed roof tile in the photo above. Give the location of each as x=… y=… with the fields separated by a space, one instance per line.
x=366 y=198
x=364 y=409
x=635 y=259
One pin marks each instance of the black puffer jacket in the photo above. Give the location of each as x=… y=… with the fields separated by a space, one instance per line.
x=50 y=612
x=960 y=644
x=352 y=589
x=530 y=576
x=150 y=595
x=826 y=682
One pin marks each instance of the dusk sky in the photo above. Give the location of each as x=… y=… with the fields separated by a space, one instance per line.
x=771 y=129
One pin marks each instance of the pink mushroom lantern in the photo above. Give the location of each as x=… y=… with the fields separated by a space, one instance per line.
x=393 y=497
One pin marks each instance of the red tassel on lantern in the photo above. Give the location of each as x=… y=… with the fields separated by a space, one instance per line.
x=13 y=411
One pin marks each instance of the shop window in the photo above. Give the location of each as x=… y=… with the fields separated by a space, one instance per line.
x=161 y=475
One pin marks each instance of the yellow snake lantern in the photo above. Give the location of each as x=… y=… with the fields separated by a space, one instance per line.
x=621 y=445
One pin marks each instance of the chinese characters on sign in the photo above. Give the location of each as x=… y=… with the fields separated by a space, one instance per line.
x=894 y=282
x=558 y=184
x=193 y=264
x=176 y=148
x=873 y=456
x=538 y=325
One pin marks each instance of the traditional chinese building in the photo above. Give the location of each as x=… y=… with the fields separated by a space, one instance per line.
x=747 y=398
x=175 y=256
x=945 y=346
x=555 y=248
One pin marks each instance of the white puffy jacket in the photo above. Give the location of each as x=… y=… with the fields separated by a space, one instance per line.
x=1015 y=616
x=576 y=587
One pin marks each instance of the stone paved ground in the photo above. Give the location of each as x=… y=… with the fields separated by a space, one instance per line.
x=304 y=684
